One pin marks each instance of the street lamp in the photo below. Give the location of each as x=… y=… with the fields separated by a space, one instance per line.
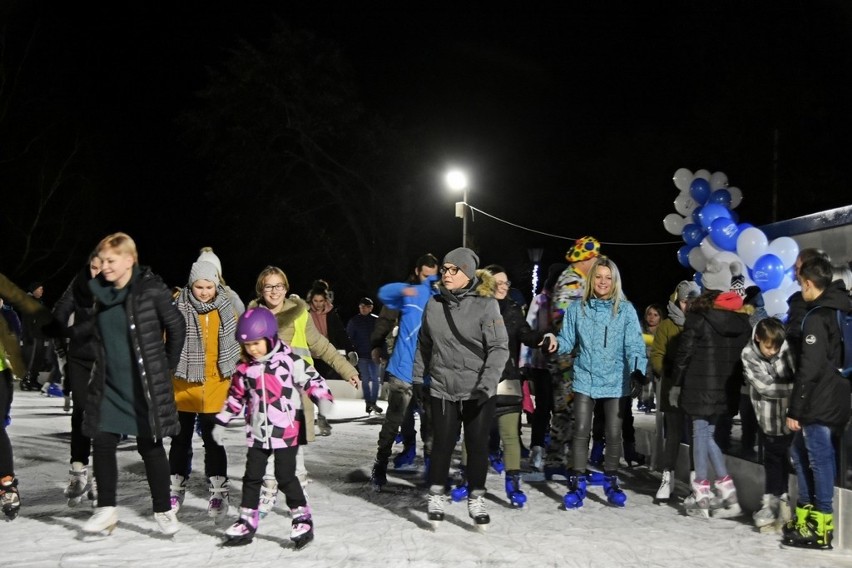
x=457 y=180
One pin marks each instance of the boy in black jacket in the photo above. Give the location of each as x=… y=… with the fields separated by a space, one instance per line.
x=818 y=408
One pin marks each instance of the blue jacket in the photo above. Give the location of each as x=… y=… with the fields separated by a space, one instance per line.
x=410 y=310
x=609 y=346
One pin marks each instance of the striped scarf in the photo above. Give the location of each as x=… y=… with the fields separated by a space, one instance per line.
x=191 y=365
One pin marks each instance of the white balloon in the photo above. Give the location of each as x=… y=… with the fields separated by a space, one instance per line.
x=685 y=204
x=786 y=283
x=718 y=181
x=736 y=197
x=729 y=257
x=748 y=282
x=775 y=302
x=703 y=174
x=784 y=248
x=751 y=245
x=697 y=260
x=709 y=248
x=674 y=223
x=682 y=178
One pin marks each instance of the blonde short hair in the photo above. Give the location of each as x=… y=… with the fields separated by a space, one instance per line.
x=121 y=243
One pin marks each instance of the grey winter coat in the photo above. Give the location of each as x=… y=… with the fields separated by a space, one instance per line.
x=457 y=372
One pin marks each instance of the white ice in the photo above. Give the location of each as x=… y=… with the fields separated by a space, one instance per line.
x=354 y=525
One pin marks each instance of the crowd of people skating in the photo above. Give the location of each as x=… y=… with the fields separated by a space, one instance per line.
x=454 y=346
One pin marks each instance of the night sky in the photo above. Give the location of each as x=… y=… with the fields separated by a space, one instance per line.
x=570 y=121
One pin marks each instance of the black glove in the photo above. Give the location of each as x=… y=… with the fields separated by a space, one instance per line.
x=637 y=381
x=545 y=345
x=54 y=330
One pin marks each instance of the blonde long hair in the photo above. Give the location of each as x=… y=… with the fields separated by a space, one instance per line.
x=617 y=295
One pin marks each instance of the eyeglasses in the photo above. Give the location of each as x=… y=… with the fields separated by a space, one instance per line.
x=506 y=283
x=453 y=270
x=271 y=287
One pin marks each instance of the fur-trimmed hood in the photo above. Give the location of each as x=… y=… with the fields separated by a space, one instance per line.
x=291 y=310
x=483 y=285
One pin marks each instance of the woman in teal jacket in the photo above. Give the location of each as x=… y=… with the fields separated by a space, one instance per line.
x=604 y=333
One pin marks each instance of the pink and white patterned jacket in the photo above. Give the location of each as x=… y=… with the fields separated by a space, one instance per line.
x=270 y=389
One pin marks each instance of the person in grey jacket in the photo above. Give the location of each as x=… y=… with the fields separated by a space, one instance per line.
x=464 y=348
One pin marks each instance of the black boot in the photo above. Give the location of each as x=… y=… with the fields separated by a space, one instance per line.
x=632 y=457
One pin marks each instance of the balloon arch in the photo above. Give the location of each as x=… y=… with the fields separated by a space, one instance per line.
x=710 y=228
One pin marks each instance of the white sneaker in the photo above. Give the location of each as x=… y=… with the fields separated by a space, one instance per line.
x=168 y=522
x=268 y=496
x=177 y=488
x=666 y=485
x=104 y=519
x=217 y=506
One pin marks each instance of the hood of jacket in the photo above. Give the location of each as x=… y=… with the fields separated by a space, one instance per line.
x=290 y=310
x=483 y=284
x=835 y=297
x=726 y=323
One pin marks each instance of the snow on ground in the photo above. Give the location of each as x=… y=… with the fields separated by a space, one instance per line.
x=357 y=527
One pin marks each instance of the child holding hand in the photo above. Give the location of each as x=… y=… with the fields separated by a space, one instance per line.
x=268 y=383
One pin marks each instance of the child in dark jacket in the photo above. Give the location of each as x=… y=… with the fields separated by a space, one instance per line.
x=768 y=368
x=819 y=406
x=268 y=384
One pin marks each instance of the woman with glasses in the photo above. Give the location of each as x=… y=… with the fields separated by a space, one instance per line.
x=509 y=393
x=463 y=348
x=604 y=327
x=296 y=329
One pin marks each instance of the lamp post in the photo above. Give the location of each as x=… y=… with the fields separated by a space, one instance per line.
x=457 y=180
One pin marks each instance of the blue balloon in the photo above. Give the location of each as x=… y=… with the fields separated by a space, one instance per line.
x=683 y=255
x=692 y=234
x=699 y=189
x=720 y=197
x=696 y=215
x=724 y=233
x=697 y=279
x=767 y=272
x=735 y=216
x=743 y=226
x=710 y=213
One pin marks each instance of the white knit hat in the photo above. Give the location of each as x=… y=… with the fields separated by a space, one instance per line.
x=207 y=255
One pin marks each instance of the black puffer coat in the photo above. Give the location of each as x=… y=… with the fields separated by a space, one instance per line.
x=707 y=365
x=820 y=393
x=519 y=332
x=151 y=314
x=78 y=300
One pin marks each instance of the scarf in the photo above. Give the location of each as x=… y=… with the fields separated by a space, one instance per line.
x=191 y=365
x=676 y=314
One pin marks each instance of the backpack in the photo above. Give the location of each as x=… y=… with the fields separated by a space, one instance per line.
x=844 y=322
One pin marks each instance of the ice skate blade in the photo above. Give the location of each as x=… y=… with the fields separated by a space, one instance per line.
x=238 y=540
x=436 y=523
x=727 y=513
x=771 y=528
x=482 y=529
x=98 y=530
x=791 y=544
x=698 y=513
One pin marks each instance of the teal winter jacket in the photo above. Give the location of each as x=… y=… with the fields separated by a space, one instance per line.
x=609 y=347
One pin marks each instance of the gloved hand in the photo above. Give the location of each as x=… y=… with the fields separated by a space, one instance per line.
x=218 y=434
x=352 y=357
x=637 y=381
x=54 y=330
x=674 y=396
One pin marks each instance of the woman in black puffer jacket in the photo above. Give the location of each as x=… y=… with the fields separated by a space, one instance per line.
x=707 y=375
x=140 y=335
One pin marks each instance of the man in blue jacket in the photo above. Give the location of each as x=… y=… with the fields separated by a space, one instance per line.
x=409 y=299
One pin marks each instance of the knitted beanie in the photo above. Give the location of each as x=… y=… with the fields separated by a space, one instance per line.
x=203 y=270
x=465 y=259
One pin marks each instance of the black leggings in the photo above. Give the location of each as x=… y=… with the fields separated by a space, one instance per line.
x=285 y=474
x=180 y=452
x=104 y=446
x=476 y=416
x=78 y=372
x=7 y=462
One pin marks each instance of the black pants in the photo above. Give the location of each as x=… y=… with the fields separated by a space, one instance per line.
x=78 y=372
x=106 y=469
x=477 y=419
x=285 y=474
x=180 y=452
x=7 y=462
x=543 y=385
x=675 y=432
x=776 y=463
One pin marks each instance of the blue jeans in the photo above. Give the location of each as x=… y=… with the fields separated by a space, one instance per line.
x=705 y=451
x=813 y=457
x=369 y=372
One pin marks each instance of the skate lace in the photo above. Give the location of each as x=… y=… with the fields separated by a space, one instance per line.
x=476 y=506
x=436 y=504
